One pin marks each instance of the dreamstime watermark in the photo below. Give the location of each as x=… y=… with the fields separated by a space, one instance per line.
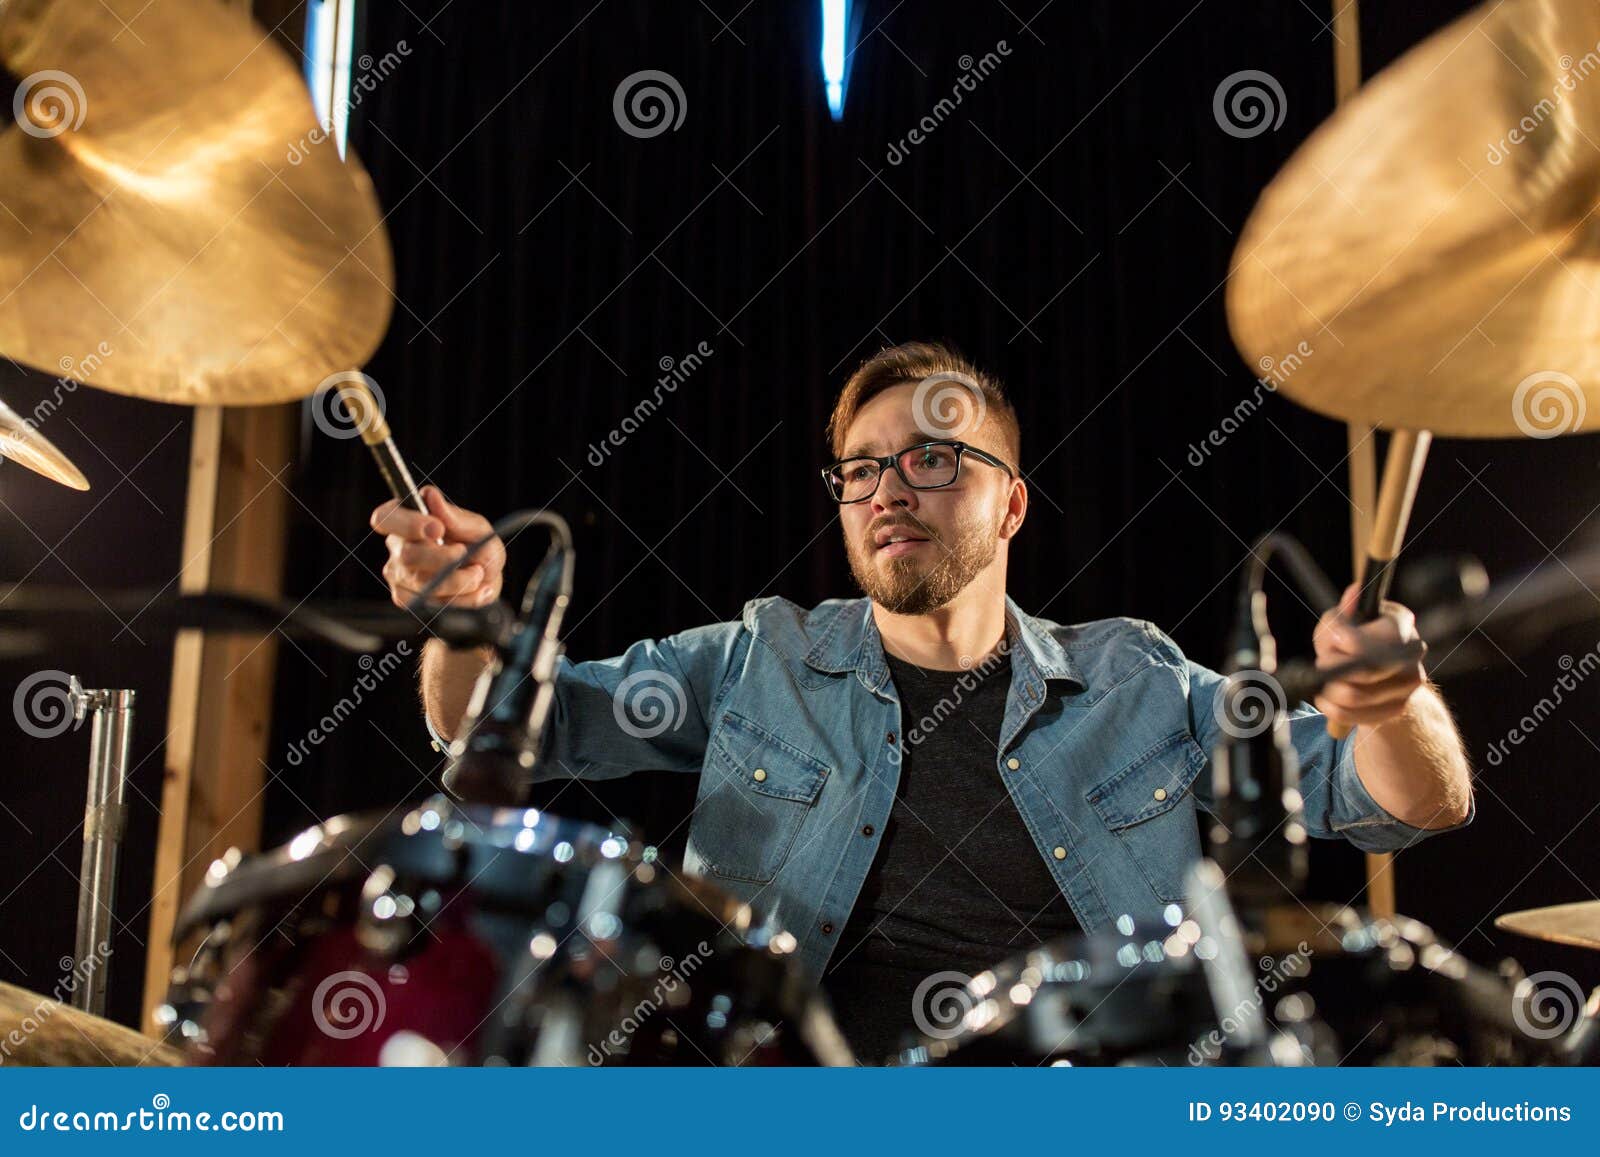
x=948 y=405
x=1275 y=973
x=1273 y=374
x=941 y=1003
x=1249 y=103
x=1572 y=73
x=649 y=103
x=674 y=372
x=74 y=373
x=362 y=83
x=42 y=704
x=1247 y=703
x=649 y=703
x=972 y=71
x=971 y=677
x=668 y=991
x=374 y=672
x=347 y=1004
x=48 y=103
x=1546 y=1004
x=1548 y=404
x=345 y=414
x=78 y=973
x=1575 y=673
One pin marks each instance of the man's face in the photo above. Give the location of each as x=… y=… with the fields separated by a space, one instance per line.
x=951 y=534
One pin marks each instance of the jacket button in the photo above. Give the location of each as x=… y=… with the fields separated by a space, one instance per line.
x=759 y=774
x=1160 y=794
x=1013 y=763
x=827 y=928
x=889 y=738
x=868 y=830
x=1060 y=853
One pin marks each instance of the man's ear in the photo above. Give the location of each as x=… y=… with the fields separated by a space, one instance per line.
x=1016 y=509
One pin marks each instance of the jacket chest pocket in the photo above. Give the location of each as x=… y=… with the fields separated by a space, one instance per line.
x=756 y=791
x=1146 y=808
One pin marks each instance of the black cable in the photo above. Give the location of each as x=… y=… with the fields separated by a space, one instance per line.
x=506 y=529
x=1311 y=578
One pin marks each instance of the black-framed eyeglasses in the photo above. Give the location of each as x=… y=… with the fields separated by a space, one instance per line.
x=925 y=466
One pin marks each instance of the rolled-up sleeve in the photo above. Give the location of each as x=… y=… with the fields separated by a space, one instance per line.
x=647 y=709
x=1337 y=804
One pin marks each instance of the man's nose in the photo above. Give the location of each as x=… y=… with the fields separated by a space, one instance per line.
x=893 y=493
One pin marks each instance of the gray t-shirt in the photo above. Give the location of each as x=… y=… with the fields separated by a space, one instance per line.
x=958 y=883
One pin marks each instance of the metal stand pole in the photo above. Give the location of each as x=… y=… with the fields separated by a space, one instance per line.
x=104 y=818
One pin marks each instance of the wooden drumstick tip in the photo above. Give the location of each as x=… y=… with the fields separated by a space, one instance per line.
x=364 y=411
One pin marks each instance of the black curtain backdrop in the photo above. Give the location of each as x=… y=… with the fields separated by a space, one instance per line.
x=1068 y=225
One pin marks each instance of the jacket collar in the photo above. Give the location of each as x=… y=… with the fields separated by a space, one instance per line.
x=851 y=642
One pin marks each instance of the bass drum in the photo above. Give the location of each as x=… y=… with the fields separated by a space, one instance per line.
x=1134 y=996
x=461 y=935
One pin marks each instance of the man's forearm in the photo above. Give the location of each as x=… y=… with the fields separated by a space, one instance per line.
x=1414 y=766
x=448 y=677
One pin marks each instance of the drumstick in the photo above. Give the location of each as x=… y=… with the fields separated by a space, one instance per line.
x=1402 y=473
x=369 y=420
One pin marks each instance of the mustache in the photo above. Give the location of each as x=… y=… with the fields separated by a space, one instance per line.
x=904 y=522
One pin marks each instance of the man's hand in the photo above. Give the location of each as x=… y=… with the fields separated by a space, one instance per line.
x=1371 y=697
x=421 y=545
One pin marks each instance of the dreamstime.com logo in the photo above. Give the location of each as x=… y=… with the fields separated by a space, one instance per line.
x=42 y=704
x=674 y=372
x=667 y=992
x=940 y=1005
x=649 y=103
x=373 y=672
x=1548 y=404
x=345 y=414
x=348 y=1004
x=49 y=103
x=648 y=703
x=1574 y=672
x=1249 y=103
x=1546 y=1004
x=948 y=405
x=1275 y=972
x=973 y=72
x=361 y=83
x=1274 y=372
x=1247 y=702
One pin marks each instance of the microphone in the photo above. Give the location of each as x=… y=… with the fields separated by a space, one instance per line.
x=492 y=761
x=1257 y=832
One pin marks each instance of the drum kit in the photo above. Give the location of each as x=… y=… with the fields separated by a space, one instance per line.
x=475 y=930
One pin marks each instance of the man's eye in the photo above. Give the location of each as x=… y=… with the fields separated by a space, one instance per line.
x=859 y=473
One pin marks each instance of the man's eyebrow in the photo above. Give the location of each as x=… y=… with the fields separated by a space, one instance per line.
x=867 y=450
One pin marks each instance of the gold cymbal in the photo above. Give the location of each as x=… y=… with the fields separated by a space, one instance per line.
x=25 y=446
x=51 y=1033
x=158 y=230
x=1433 y=244
x=1576 y=924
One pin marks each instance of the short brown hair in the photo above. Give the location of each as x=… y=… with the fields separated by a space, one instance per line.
x=912 y=362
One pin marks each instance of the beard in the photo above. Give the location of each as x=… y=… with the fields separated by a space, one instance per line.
x=923 y=581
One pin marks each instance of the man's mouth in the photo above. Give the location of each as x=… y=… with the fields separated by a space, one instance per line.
x=893 y=541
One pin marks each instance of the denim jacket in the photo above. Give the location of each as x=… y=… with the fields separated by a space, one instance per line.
x=793 y=722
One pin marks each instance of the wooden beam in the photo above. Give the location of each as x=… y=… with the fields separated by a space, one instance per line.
x=1361 y=439
x=234 y=536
